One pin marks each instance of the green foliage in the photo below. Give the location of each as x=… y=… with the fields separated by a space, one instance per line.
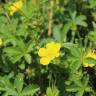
x=21 y=50
x=52 y=91
x=80 y=87
x=22 y=34
x=16 y=88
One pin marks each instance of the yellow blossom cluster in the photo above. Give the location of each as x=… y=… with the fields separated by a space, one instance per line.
x=48 y=53
x=92 y=55
x=15 y=7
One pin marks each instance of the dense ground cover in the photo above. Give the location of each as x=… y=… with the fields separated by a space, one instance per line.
x=47 y=48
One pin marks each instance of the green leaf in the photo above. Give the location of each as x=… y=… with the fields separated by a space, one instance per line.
x=79 y=86
x=30 y=47
x=18 y=83
x=30 y=90
x=80 y=93
x=92 y=3
x=12 y=50
x=52 y=91
x=57 y=33
x=65 y=30
x=28 y=58
x=14 y=54
x=80 y=20
x=21 y=45
x=21 y=30
x=72 y=88
x=92 y=36
x=75 y=65
x=22 y=66
x=6 y=86
x=75 y=51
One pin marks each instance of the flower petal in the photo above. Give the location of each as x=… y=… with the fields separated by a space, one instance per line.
x=85 y=64
x=15 y=7
x=49 y=45
x=45 y=61
x=53 y=49
x=91 y=55
x=91 y=65
x=42 y=52
x=58 y=54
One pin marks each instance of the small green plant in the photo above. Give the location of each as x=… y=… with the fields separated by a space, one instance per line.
x=47 y=48
x=16 y=88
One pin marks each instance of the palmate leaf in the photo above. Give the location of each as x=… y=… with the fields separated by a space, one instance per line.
x=21 y=50
x=79 y=86
x=30 y=90
x=21 y=31
x=9 y=36
x=18 y=83
x=92 y=3
x=72 y=24
x=7 y=87
x=77 y=20
x=16 y=89
x=7 y=31
x=75 y=51
x=72 y=88
x=21 y=45
x=75 y=65
x=52 y=91
x=80 y=20
x=80 y=93
x=84 y=86
x=28 y=58
x=13 y=53
x=76 y=58
x=28 y=14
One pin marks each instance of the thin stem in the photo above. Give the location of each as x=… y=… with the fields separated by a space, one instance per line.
x=50 y=77
x=57 y=5
x=34 y=2
x=86 y=42
x=6 y=14
x=50 y=18
x=73 y=36
x=81 y=45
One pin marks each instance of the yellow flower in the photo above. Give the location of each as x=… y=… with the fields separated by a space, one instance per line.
x=1 y=42
x=89 y=55
x=49 y=53
x=15 y=7
x=45 y=60
x=42 y=52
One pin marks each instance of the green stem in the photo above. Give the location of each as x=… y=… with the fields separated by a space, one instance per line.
x=6 y=14
x=50 y=77
x=81 y=45
x=73 y=36
x=85 y=42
